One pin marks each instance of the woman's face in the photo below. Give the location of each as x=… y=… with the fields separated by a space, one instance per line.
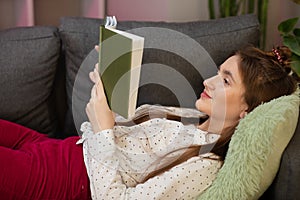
x=223 y=95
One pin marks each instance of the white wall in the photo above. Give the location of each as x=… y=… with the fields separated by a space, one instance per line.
x=47 y=12
x=189 y=10
x=159 y=10
x=7 y=16
x=138 y=10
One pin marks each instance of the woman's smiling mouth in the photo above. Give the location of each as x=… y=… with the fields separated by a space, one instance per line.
x=205 y=95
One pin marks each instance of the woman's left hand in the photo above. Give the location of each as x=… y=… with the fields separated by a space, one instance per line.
x=97 y=109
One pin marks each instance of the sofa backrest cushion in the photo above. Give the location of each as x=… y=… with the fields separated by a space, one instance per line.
x=220 y=38
x=286 y=184
x=29 y=57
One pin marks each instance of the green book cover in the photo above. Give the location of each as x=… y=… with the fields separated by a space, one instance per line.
x=120 y=57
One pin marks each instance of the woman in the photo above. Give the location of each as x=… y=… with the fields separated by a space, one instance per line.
x=54 y=169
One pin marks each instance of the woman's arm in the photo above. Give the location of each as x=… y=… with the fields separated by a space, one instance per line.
x=97 y=109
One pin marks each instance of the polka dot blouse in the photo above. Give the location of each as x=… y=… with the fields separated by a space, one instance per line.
x=119 y=159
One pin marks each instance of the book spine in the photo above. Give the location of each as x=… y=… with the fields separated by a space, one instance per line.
x=100 y=41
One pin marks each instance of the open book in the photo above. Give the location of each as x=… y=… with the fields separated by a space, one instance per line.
x=120 y=58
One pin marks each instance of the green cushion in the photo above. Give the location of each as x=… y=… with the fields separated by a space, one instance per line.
x=255 y=150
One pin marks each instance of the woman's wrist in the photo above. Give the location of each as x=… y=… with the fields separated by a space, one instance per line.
x=103 y=120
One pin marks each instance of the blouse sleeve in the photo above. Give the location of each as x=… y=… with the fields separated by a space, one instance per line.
x=184 y=181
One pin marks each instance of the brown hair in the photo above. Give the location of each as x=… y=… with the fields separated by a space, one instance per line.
x=265 y=75
x=264 y=78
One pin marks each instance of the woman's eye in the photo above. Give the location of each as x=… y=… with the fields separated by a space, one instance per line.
x=226 y=81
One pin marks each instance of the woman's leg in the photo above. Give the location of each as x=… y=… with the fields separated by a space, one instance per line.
x=33 y=166
x=13 y=135
x=15 y=161
x=15 y=170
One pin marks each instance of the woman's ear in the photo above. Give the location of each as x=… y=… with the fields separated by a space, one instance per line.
x=244 y=111
x=243 y=114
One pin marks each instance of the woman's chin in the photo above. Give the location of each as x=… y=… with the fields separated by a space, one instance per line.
x=202 y=106
x=197 y=104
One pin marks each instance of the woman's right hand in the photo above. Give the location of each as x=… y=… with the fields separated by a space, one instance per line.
x=97 y=109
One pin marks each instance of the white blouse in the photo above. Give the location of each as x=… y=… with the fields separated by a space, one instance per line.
x=118 y=160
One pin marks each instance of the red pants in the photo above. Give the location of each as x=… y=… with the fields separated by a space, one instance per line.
x=33 y=166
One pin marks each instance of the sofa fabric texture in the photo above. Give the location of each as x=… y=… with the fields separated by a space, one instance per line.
x=38 y=69
x=286 y=184
x=29 y=60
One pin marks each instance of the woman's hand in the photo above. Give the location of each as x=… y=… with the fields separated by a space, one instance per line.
x=97 y=109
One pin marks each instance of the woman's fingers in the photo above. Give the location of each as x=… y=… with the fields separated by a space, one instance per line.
x=94 y=92
x=97 y=67
x=97 y=48
x=97 y=91
x=91 y=74
x=100 y=89
x=94 y=75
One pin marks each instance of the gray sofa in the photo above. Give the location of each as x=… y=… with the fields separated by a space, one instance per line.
x=38 y=69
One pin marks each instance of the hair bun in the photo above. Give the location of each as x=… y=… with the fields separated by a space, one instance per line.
x=282 y=55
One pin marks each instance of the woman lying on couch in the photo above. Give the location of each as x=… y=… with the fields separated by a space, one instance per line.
x=156 y=159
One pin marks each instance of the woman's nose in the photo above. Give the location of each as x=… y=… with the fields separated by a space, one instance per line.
x=210 y=83
x=214 y=82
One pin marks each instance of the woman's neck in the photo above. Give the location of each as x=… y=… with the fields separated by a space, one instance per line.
x=218 y=127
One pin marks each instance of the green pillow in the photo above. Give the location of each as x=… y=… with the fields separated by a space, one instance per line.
x=255 y=150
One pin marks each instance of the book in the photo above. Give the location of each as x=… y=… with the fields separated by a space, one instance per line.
x=120 y=58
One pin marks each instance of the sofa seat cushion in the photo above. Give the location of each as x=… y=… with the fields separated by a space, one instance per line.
x=29 y=57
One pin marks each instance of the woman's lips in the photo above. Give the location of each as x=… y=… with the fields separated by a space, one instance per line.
x=205 y=95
